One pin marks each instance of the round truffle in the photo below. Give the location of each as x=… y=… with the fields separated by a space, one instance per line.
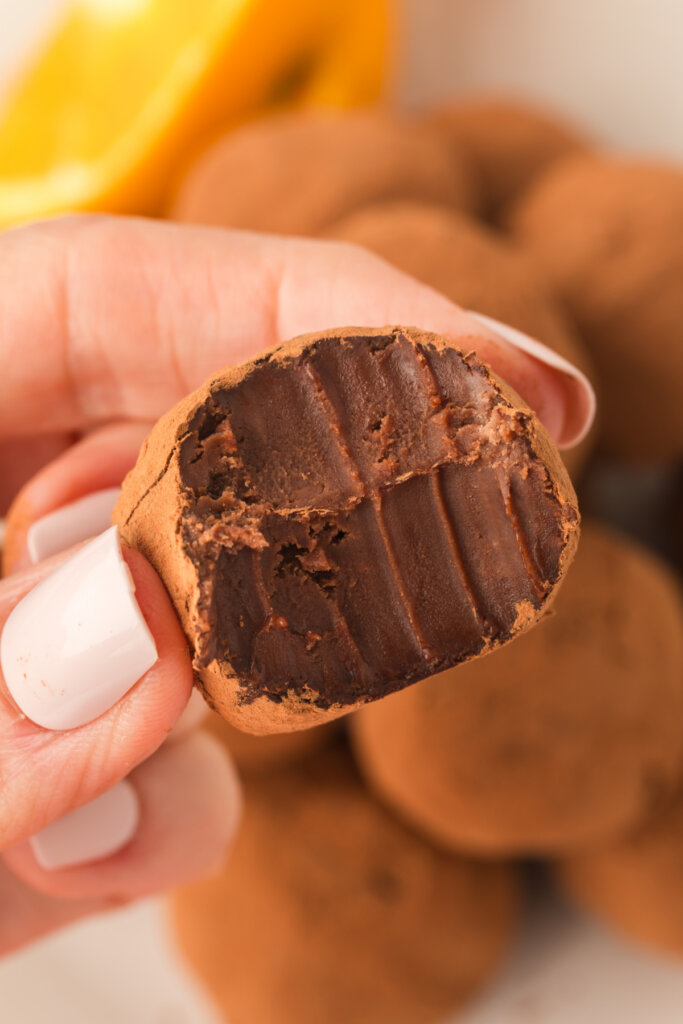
x=636 y=883
x=328 y=909
x=608 y=236
x=571 y=735
x=295 y=173
x=508 y=144
x=347 y=514
x=254 y=754
x=473 y=267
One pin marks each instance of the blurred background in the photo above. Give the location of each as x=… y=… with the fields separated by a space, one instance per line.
x=611 y=67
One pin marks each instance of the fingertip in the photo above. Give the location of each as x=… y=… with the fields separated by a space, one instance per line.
x=71 y=524
x=195 y=712
x=93 y=644
x=559 y=391
x=95 y=690
x=229 y=791
x=155 y=604
x=190 y=805
x=170 y=680
x=90 y=833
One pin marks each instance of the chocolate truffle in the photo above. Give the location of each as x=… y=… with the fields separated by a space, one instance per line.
x=295 y=173
x=329 y=910
x=267 y=753
x=572 y=734
x=475 y=268
x=346 y=514
x=608 y=236
x=508 y=144
x=636 y=883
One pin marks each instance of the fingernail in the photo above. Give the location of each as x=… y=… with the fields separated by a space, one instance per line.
x=581 y=408
x=91 y=832
x=71 y=524
x=78 y=641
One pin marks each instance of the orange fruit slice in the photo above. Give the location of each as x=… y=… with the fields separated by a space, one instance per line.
x=125 y=88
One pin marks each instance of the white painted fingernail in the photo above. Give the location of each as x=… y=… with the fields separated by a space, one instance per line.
x=78 y=641
x=91 y=832
x=70 y=524
x=582 y=408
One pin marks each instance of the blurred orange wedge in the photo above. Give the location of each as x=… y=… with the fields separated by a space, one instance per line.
x=127 y=89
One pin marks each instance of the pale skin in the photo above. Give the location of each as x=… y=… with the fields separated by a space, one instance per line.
x=104 y=324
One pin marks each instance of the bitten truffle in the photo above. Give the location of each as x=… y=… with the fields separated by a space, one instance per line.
x=508 y=145
x=608 y=236
x=329 y=910
x=473 y=267
x=569 y=736
x=345 y=515
x=295 y=173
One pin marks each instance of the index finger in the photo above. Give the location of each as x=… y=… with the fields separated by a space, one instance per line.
x=106 y=317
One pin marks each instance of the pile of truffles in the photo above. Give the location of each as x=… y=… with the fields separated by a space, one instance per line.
x=294 y=504
x=330 y=909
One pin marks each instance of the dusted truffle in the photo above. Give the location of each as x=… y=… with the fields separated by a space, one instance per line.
x=329 y=910
x=569 y=736
x=636 y=883
x=266 y=753
x=475 y=268
x=508 y=144
x=345 y=515
x=608 y=236
x=296 y=173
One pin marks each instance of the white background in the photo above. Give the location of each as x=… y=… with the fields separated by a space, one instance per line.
x=616 y=67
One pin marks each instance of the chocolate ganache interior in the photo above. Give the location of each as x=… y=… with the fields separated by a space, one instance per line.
x=364 y=512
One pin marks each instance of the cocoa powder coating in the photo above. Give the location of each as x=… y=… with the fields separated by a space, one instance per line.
x=635 y=884
x=507 y=144
x=295 y=173
x=330 y=910
x=607 y=235
x=345 y=515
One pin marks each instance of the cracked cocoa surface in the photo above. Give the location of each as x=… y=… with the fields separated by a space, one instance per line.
x=359 y=510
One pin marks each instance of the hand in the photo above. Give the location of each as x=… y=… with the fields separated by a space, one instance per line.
x=104 y=324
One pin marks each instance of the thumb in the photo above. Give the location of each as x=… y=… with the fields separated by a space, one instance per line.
x=95 y=672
